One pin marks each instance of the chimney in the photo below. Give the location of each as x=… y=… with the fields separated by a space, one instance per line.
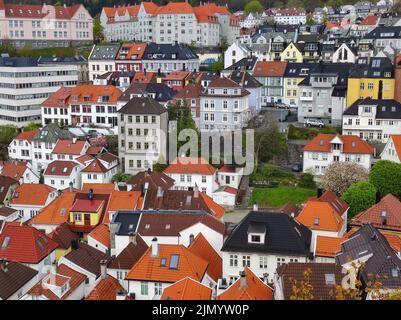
x=74 y=244
x=155 y=247
x=132 y=237
x=266 y=278
x=103 y=269
x=4 y=265
x=383 y=216
x=191 y=238
x=159 y=192
x=319 y=192
x=71 y=186
x=74 y=140
x=255 y=206
x=378 y=196
x=120 y=295
x=59 y=193
x=90 y=194
x=196 y=191
x=242 y=283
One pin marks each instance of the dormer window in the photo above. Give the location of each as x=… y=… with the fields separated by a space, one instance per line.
x=256 y=233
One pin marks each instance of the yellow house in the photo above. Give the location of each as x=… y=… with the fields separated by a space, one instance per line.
x=371 y=80
x=85 y=215
x=291 y=54
x=294 y=74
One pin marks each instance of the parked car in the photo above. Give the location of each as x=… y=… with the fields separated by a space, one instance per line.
x=297 y=167
x=314 y=123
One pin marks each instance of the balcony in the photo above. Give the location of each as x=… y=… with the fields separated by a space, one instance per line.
x=306 y=98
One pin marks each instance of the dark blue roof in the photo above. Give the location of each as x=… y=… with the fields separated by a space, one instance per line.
x=18 y=62
x=175 y=51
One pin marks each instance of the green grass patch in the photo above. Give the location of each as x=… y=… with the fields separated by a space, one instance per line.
x=277 y=197
x=296 y=133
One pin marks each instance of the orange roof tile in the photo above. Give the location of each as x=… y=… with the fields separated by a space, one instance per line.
x=60 y=168
x=150 y=6
x=187 y=289
x=85 y=158
x=27 y=135
x=103 y=188
x=351 y=144
x=85 y=93
x=95 y=166
x=134 y=49
x=202 y=248
x=121 y=200
x=56 y=212
x=190 y=165
x=106 y=289
x=318 y=215
x=149 y=267
x=396 y=138
x=101 y=234
x=143 y=77
x=370 y=21
x=175 y=8
x=14 y=170
x=177 y=75
x=69 y=147
x=217 y=210
x=252 y=289
x=328 y=246
x=394 y=241
x=270 y=69
x=31 y=194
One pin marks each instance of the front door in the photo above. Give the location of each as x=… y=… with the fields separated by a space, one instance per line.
x=227 y=179
x=87 y=219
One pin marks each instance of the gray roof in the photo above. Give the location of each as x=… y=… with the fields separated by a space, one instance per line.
x=142 y=105
x=244 y=79
x=174 y=51
x=384 y=33
x=18 y=62
x=283 y=235
x=105 y=52
x=52 y=133
x=386 y=109
x=77 y=59
x=369 y=243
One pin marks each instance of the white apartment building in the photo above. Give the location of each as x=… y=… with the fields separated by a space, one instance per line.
x=190 y=172
x=392 y=149
x=255 y=244
x=290 y=16
x=224 y=106
x=61 y=174
x=100 y=169
x=83 y=105
x=204 y=25
x=326 y=149
x=45 y=25
x=25 y=84
x=142 y=134
x=372 y=120
x=102 y=59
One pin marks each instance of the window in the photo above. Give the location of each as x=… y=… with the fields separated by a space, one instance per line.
x=77 y=217
x=263 y=262
x=255 y=238
x=158 y=288
x=174 y=261
x=246 y=261
x=233 y=260
x=144 y=288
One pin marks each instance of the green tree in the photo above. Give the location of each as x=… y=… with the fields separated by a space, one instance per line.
x=31 y=126
x=309 y=20
x=121 y=177
x=98 y=29
x=386 y=177
x=253 y=6
x=269 y=142
x=306 y=181
x=359 y=196
x=218 y=66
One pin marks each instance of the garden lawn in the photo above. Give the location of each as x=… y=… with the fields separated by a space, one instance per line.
x=277 y=197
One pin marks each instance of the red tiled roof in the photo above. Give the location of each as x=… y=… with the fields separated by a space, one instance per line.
x=370 y=21
x=121 y=200
x=60 y=168
x=351 y=144
x=394 y=241
x=25 y=244
x=101 y=234
x=202 y=248
x=187 y=289
x=191 y=90
x=95 y=166
x=149 y=267
x=217 y=210
x=39 y=11
x=175 y=8
x=254 y=289
x=86 y=205
x=388 y=204
x=328 y=246
x=27 y=135
x=134 y=49
x=227 y=168
x=69 y=147
x=106 y=289
x=396 y=138
x=269 y=69
x=103 y=188
x=190 y=166
x=14 y=170
x=31 y=194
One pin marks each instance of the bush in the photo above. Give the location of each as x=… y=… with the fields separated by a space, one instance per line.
x=306 y=181
x=270 y=172
x=359 y=196
x=296 y=133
